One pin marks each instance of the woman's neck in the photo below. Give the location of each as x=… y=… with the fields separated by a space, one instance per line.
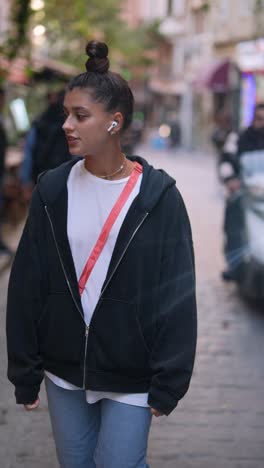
x=112 y=165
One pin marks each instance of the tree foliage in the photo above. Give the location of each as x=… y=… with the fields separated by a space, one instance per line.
x=19 y=20
x=70 y=24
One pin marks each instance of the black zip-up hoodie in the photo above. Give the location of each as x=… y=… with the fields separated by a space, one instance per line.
x=142 y=335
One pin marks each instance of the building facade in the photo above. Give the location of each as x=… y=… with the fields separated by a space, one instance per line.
x=213 y=63
x=239 y=34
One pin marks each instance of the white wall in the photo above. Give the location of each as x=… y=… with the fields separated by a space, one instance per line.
x=153 y=9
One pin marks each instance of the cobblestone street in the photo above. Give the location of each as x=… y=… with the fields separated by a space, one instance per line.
x=220 y=423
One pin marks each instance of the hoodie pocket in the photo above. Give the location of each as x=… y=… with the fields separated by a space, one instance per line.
x=60 y=331
x=117 y=340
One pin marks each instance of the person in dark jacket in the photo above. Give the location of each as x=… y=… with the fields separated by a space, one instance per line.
x=4 y=249
x=222 y=128
x=46 y=146
x=101 y=298
x=250 y=140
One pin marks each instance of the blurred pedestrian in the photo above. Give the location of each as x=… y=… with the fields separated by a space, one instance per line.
x=101 y=296
x=250 y=140
x=46 y=146
x=4 y=249
x=223 y=126
x=175 y=134
x=224 y=139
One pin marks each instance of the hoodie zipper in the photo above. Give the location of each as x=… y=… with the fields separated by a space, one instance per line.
x=61 y=262
x=85 y=354
x=103 y=290
x=87 y=327
x=73 y=297
x=124 y=251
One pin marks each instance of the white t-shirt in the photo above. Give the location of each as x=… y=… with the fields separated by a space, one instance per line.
x=90 y=201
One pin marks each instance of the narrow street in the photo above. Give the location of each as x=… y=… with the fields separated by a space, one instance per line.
x=220 y=423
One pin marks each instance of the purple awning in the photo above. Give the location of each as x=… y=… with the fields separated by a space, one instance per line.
x=217 y=76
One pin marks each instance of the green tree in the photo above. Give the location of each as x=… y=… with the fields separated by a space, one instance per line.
x=17 y=36
x=70 y=24
x=80 y=21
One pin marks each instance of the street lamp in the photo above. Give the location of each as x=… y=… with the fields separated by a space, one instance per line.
x=38 y=35
x=39 y=30
x=37 y=5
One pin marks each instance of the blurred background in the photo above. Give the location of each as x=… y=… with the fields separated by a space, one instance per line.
x=186 y=60
x=196 y=69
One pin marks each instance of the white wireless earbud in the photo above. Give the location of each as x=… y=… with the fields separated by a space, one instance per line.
x=112 y=126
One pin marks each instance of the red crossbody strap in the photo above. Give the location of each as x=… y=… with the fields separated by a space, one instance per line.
x=100 y=243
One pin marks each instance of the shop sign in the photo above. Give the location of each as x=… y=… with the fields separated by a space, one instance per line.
x=250 y=55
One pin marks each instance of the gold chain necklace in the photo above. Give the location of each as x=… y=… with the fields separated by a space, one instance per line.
x=117 y=171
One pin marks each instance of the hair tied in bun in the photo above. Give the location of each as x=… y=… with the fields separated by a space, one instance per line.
x=102 y=85
x=97 y=61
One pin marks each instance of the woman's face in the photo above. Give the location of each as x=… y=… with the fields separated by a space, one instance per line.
x=86 y=123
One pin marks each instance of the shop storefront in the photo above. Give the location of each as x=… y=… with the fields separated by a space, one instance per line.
x=166 y=104
x=216 y=92
x=250 y=59
x=223 y=79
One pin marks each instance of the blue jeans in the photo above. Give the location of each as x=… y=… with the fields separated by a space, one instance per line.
x=106 y=434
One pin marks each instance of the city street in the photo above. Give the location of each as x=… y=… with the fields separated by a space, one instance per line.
x=220 y=422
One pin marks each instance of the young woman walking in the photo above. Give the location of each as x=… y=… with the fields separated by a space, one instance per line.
x=101 y=298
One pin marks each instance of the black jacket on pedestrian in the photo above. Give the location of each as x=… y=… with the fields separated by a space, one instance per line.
x=51 y=147
x=142 y=335
x=252 y=139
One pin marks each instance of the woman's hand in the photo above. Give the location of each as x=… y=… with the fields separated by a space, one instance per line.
x=32 y=406
x=155 y=412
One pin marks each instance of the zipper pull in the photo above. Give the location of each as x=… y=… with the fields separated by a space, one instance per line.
x=86 y=330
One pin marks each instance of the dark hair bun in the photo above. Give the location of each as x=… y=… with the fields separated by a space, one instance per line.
x=97 y=61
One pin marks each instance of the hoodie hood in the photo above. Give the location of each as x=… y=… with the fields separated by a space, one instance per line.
x=155 y=183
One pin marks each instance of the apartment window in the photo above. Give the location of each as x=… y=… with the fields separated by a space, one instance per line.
x=169 y=8
x=223 y=9
x=246 y=7
x=199 y=17
x=176 y=7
